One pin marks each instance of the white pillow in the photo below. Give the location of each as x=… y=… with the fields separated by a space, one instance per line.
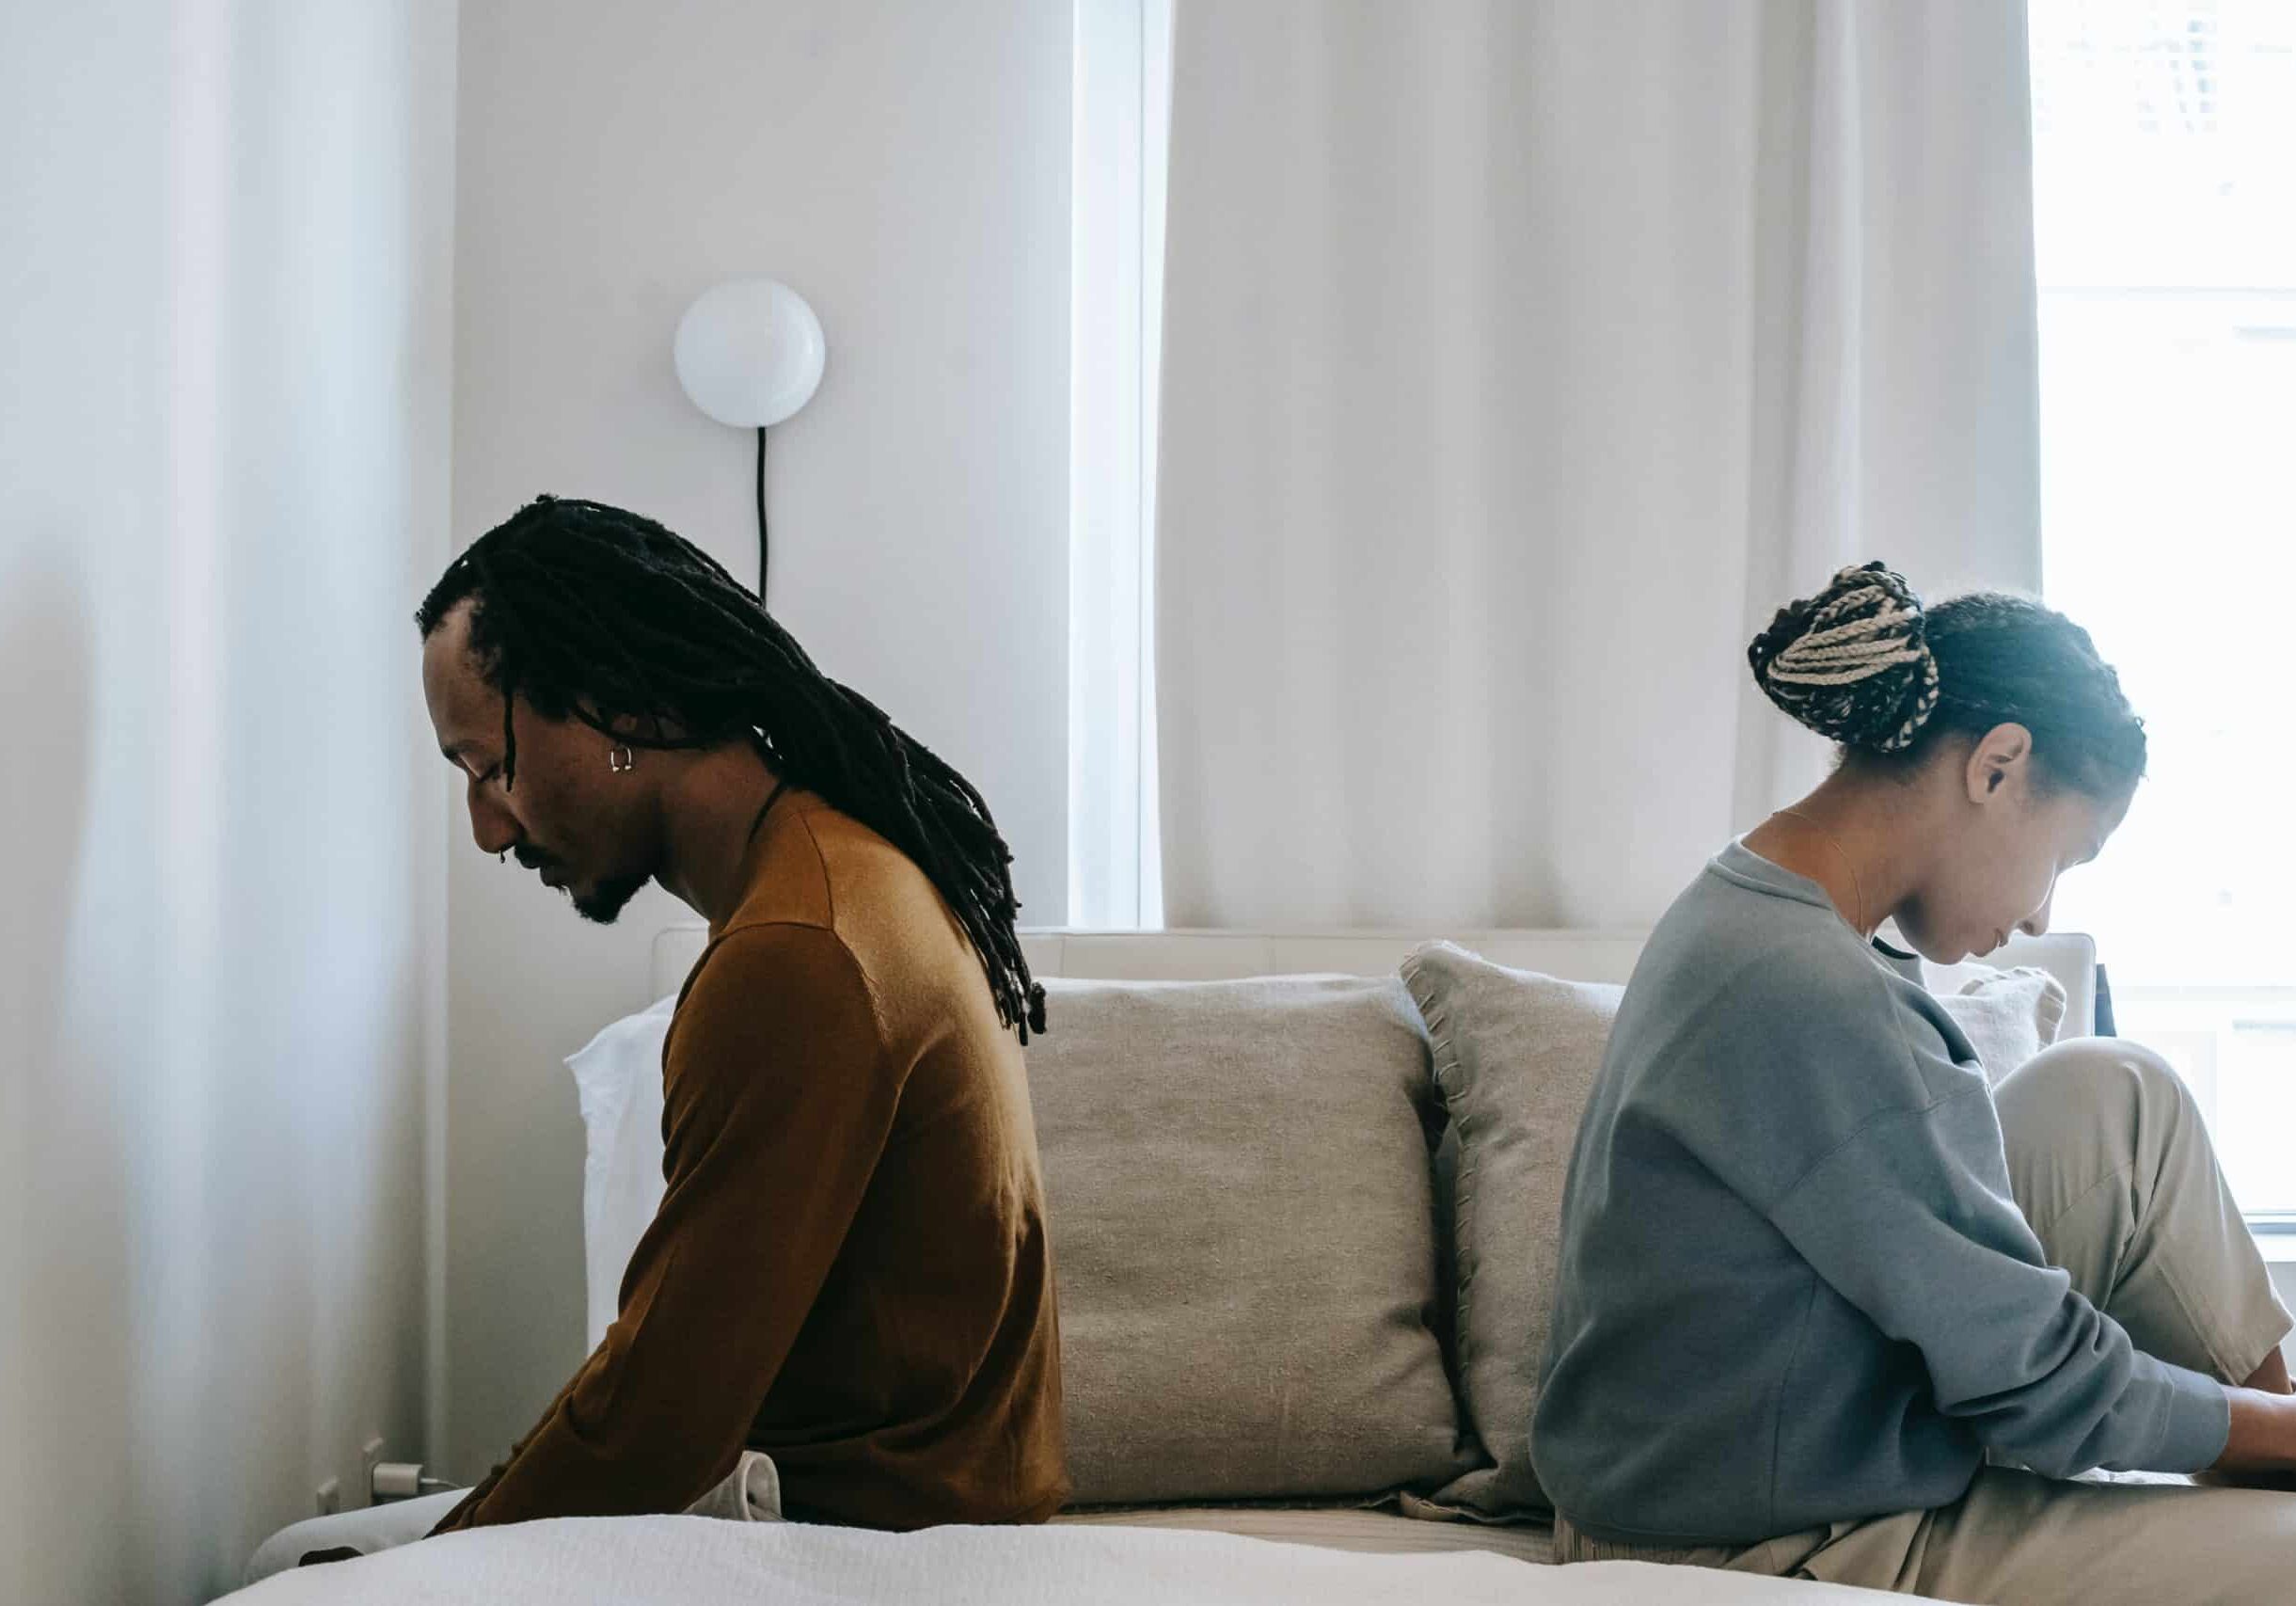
x=618 y=1075
x=2008 y=1017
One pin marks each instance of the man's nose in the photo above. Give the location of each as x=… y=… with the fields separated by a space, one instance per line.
x=492 y=827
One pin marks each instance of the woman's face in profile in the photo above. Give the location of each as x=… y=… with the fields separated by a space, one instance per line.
x=1996 y=862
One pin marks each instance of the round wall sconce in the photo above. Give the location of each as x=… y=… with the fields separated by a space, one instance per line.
x=750 y=353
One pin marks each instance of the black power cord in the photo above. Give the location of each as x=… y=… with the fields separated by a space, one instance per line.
x=765 y=549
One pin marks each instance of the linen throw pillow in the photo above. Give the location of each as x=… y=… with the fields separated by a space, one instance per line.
x=1238 y=1185
x=2008 y=1017
x=1515 y=1056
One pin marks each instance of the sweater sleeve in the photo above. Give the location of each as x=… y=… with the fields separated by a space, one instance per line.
x=778 y=1102
x=1911 y=1219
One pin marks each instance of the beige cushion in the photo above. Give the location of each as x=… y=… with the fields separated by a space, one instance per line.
x=2008 y=1017
x=1238 y=1177
x=1515 y=1056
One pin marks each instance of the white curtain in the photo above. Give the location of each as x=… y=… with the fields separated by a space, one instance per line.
x=1520 y=358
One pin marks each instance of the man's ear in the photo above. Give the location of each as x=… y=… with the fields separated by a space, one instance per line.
x=649 y=728
x=1997 y=762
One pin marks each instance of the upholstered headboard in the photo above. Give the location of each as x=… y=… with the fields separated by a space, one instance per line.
x=1579 y=956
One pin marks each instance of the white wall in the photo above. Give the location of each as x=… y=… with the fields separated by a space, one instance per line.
x=905 y=166
x=224 y=293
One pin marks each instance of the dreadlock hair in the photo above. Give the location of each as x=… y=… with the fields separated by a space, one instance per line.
x=1864 y=663
x=594 y=613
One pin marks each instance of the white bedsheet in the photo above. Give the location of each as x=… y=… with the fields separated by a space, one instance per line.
x=694 y=1561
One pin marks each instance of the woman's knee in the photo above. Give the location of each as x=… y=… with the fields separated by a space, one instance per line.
x=2101 y=1089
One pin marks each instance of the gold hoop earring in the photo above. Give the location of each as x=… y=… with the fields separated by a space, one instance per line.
x=621 y=760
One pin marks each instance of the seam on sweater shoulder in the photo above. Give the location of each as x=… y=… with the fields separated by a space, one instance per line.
x=829 y=885
x=868 y=987
x=1756 y=963
x=1922 y=1112
x=1877 y=979
x=1715 y=868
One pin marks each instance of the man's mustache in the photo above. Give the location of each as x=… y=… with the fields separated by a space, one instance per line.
x=533 y=858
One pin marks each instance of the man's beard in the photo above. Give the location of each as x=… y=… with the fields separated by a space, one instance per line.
x=605 y=902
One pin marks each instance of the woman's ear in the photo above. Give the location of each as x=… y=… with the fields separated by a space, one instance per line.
x=1997 y=763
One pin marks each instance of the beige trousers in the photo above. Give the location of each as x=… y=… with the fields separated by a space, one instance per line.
x=2111 y=1165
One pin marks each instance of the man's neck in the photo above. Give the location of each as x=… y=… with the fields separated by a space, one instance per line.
x=709 y=818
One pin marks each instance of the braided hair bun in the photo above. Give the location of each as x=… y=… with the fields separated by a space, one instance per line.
x=1853 y=662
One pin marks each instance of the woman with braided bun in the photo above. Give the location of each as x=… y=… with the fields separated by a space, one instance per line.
x=1830 y=1305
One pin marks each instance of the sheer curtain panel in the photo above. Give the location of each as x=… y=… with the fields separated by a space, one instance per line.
x=1519 y=359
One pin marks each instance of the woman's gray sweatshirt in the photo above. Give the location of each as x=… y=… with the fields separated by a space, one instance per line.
x=1794 y=1287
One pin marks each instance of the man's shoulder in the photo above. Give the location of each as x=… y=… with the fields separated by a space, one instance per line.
x=839 y=872
x=831 y=871
x=779 y=977
x=817 y=863
x=852 y=857
x=765 y=953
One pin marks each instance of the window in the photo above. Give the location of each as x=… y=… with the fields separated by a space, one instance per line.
x=1122 y=111
x=2164 y=167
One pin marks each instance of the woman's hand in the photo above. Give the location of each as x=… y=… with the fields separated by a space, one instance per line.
x=2261 y=1449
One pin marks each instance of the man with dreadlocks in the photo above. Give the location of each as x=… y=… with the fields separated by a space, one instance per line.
x=849 y=1271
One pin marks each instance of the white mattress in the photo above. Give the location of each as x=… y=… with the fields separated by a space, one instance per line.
x=698 y=1560
x=1373 y=1531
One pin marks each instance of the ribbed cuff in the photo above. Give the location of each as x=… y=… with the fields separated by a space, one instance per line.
x=2199 y=1423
